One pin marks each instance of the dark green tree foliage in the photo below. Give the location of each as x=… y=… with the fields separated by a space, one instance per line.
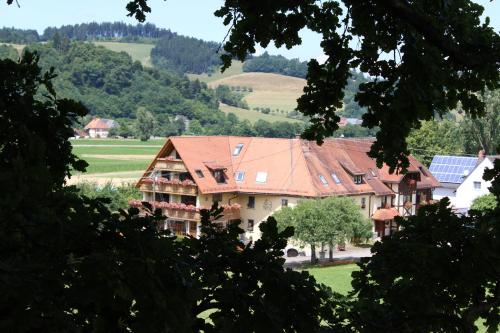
x=18 y=36
x=185 y=54
x=7 y=51
x=108 y=30
x=278 y=64
x=118 y=196
x=145 y=124
x=484 y=203
x=440 y=273
x=426 y=57
x=69 y=265
x=225 y=95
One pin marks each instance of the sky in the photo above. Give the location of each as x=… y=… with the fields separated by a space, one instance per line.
x=187 y=17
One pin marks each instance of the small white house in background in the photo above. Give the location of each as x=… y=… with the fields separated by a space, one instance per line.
x=99 y=127
x=461 y=179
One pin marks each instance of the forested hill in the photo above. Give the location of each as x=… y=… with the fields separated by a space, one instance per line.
x=172 y=51
x=112 y=85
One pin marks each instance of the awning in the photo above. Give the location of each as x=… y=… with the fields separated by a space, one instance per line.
x=385 y=214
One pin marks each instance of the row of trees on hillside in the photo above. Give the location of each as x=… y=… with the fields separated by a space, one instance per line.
x=87 y=31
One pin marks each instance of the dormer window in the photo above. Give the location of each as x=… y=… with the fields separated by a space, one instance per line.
x=239 y=176
x=323 y=180
x=358 y=179
x=335 y=178
x=199 y=173
x=237 y=149
x=219 y=176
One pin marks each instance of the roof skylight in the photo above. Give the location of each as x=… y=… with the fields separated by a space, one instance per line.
x=239 y=176
x=261 y=177
x=237 y=149
x=335 y=178
x=323 y=180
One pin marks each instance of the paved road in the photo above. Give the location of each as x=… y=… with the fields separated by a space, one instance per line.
x=350 y=253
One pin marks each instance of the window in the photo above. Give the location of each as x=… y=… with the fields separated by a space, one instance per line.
x=261 y=177
x=199 y=173
x=323 y=180
x=162 y=197
x=237 y=149
x=239 y=176
x=185 y=176
x=363 y=203
x=166 y=174
x=335 y=178
x=177 y=156
x=217 y=197
x=188 y=200
x=284 y=202
x=251 y=201
x=250 y=224
x=477 y=185
x=358 y=179
x=219 y=176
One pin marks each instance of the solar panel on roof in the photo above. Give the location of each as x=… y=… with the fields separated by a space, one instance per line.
x=452 y=169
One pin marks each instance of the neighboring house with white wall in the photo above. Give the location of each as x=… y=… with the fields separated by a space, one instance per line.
x=253 y=177
x=474 y=185
x=461 y=179
x=99 y=127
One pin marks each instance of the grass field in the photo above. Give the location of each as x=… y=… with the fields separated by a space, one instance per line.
x=252 y=115
x=336 y=277
x=138 y=51
x=235 y=69
x=269 y=90
x=116 y=160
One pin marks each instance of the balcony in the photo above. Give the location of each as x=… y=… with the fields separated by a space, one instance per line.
x=170 y=165
x=189 y=212
x=172 y=210
x=163 y=185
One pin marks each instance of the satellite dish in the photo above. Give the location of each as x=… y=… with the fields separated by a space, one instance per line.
x=466 y=173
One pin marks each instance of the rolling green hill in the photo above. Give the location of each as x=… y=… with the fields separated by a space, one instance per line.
x=253 y=116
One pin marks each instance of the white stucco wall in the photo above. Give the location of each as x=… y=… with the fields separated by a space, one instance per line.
x=441 y=192
x=466 y=193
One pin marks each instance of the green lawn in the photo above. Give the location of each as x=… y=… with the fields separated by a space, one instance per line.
x=104 y=165
x=253 y=116
x=121 y=142
x=339 y=279
x=138 y=51
x=117 y=150
x=336 y=277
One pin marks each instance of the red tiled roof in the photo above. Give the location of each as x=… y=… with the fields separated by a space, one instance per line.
x=385 y=214
x=98 y=123
x=292 y=166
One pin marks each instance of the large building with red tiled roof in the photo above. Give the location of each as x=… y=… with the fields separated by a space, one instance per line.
x=253 y=177
x=99 y=127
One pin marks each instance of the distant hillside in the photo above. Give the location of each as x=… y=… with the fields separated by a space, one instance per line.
x=138 y=51
x=294 y=67
x=270 y=90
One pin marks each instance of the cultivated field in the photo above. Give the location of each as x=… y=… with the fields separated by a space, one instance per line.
x=138 y=51
x=116 y=160
x=235 y=69
x=252 y=115
x=270 y=90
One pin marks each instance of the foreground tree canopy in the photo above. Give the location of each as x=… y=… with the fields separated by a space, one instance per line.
x=425 y=56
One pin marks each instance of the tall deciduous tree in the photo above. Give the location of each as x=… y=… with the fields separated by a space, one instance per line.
x=321 y=221
x=483 y=133
x=144 y=124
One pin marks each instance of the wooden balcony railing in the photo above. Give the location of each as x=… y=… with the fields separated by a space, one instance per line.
x=181 y=188
x=170 y=165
